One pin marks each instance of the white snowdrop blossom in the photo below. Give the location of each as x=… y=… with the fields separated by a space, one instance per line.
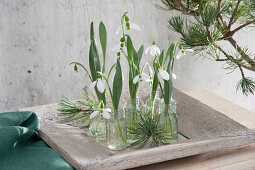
x=142 y=77
x=104 y=112
x=163 y=74
x=174 y=76
x=153 y=50
x=133 y=26
x=100 y=84
x=182 y=52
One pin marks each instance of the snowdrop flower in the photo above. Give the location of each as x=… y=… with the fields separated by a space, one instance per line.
x=182 y=52
x=142 y=77
x=153 y=50
x=104 y=112
x=163 y=74
x=100 y=84
x=133 y=26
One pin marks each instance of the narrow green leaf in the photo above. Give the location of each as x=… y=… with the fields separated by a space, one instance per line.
x=103 y=41
x=130 y=49
x=93 y=41
x=136 y=59
x=170 y=52
x=117 y=85
x=92 y=35
x=168 y=84
x=130 y=80
x=154 y=86
x=161 y=57
x=140 y=54
x=92 y=67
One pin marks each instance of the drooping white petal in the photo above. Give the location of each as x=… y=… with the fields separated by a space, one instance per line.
x=116 y=48
x=157 y=50
x=153 y=51
x=101 y=85
x=92 y=115
x=145 y=77
x=179 y=55
x=136 y=79
x=189 y=50
x=106 y=114
x=118 y=30
x=135 y=26
x=93 y=84
x=107 y=110
x=174 y=76
x=147 y=49
x=163 y=74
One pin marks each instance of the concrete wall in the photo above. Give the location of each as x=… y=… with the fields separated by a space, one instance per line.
x=39 y=38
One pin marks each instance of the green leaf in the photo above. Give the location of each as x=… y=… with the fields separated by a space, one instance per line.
x=94 y=47
x=140 y=54
x=168 y=86
x=161 y=57
x=92 y=67
x=135 y=59
x=130 y=49
x=117 y=85
x=154 y=86
x=103 y=41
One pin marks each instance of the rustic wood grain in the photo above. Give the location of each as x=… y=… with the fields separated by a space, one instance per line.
x=169 y=152
x=199 y=121
x=207 y=129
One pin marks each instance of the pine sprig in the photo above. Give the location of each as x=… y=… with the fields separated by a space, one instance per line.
x=79 y=110
x=215 y=21
x=247 y=85
x=148 y=129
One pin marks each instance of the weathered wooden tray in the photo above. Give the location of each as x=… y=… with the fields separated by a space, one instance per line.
x=202 y=129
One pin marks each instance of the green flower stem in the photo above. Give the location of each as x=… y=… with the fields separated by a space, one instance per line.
x=107 y=82
x=171 y=127
x=121 y=135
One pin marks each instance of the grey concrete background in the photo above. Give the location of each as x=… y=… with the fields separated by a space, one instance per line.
x=39 y=38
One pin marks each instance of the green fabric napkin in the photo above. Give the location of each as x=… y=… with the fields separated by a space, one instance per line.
x=21 y=148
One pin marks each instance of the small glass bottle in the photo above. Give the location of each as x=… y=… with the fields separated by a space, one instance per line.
x=153 y=107
x=133 y=109
x=97 y=127
x=169 y=121
x=116 y=131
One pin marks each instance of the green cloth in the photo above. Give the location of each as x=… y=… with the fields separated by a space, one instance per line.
x=21 y=148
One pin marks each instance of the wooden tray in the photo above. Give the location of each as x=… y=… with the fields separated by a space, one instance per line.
x=202 y=129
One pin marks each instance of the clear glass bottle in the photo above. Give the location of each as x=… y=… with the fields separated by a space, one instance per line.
x=116 y=131
x=155 y=105
x=133 y=109
x=97 y=127
x=169 y=121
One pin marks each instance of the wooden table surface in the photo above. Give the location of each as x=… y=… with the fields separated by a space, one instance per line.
x=234 y=159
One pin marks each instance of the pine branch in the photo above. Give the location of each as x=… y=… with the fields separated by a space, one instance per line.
x=242 y=26
x=148 y=128
x=79 y=110
x=234 y=14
